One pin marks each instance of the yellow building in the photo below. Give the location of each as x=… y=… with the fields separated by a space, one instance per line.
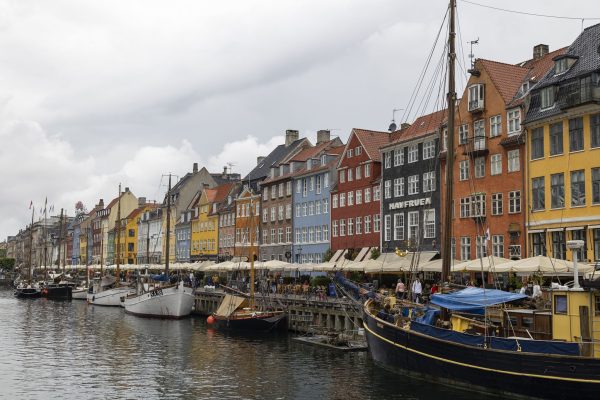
x=563 y=153
x=205 y=224
x=128 y=240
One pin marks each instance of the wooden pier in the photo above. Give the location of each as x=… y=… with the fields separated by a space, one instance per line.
x=306 y=314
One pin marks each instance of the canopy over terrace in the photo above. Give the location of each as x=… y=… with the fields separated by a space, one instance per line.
x=545 y=265
x=488 y=264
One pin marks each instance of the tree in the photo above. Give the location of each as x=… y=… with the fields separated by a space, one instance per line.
x=7 y=264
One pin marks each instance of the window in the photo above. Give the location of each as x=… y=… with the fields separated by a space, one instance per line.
x=358 y=151
x=343 y=176
x=476 y=95
x=561 y=65
x=399 y=226
x=298 y=186
x=334 y=228
x=358 y=225
x=367 y=195
x=480 y=247
x=317 y=233
x=376 y=223
x=398 y=157
x=304 y=210
x=280 y=235
x=413 y=153
x=319 y=184
x=358 y=172
x=318 y=207
x=495 y=125
x=273 y=214
x=387 y=160
x=304 y=187
x=463 y=134
x=595 y=185
x=342 y=227
x=342 y=199
x=376 y=193
x=596 y=239
x=560 y=304
x=387 y=189
x=367 y=224
x=311 y=234
x=273 y=235
x=325 y=233
x=514 y=162
x=463 y=167
x=558 y=245
x=547 y=96
x=359 y=196
x=575 y=134
x=496 y=164
x=413 y=225
x=398 y=187
x=479 y=135
x=497 y=206
x=311 y=208
x=465 y=248
x=428 y=149
x=387 y=228
x=266 y=193
x=538 y=246
x=577 y=188
x=537 y=143
x=595 y=130
x=465 y=207
x=429 y=223
x=367 y=170
x=281 y=189
x=413 y=184
x=350 y=173
x=288 y=188
x=514 y=121
x=288 y=234
x=265 y=215
x=428 y=182
x=478 y=205
x=479 y=167
x=498 y=245
x=326 y=179
x=334 y=201
x=557 y=190
x=351 y=198
x=325 y=206
x=538 y=200
x=349 y=153
x=273 y=192
x=514 y=202
x=579 y=234
x=280 y=213
x=350 y=226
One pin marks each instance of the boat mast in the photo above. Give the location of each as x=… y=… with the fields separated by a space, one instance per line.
x=31 y=245
x=167 y=252
x=251 y=251
x=451 y=100
x=118 y=234
x=45 y=242
x=60 y=229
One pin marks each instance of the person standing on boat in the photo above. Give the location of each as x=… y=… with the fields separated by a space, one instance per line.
x=417 y=290
x=400 y=290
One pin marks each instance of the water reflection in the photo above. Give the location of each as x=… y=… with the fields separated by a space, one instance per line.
x=71 y=350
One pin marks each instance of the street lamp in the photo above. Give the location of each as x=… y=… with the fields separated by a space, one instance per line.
x=575 y=245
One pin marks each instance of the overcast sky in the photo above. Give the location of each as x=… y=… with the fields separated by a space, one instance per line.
x=93 y=93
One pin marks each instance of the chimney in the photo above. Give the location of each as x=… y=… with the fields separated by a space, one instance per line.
x=141 y=201
x=126 y=189
x=540 y=51
x=260 y=159
x=195 y=168
x=291 y=136
x=101 y=203
x=323 y=136
x=404 y=125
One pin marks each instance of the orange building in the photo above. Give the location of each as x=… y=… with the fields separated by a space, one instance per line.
x=247 y=223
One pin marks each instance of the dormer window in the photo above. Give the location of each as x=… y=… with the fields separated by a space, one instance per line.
x=323 y=159
x=476 y=96
x=309 y=164
x=281 y=170
x=525 y=87
x=563 y=63
x=547 y=98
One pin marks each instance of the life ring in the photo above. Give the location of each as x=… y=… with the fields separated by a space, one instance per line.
x=45 y=291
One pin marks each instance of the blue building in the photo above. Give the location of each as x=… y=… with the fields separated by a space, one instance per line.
x=311 y=222
x=183 y=235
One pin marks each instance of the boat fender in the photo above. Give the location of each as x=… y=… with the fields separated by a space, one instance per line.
x=210 y=320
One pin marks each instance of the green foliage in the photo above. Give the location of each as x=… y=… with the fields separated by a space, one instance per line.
x=375 y=253
x=328 y=255
x=7 y=264
x=320 y=281
x=2 y=253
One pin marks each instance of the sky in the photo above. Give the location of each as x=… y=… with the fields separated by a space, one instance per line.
x=97 y=93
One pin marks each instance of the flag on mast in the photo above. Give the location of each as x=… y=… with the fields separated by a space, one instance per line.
x=31 y=204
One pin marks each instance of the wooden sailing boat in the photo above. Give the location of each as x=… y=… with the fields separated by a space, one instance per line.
x=239 y=311
x=56 y=289
x=165 y=300
x=565 y=367
x=28 y=289
x=108 y=290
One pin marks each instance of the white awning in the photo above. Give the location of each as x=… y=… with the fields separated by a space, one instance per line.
x=593 y=226
x=556 y=229
x=336 y=256
x=535 y=231
x=361 y=254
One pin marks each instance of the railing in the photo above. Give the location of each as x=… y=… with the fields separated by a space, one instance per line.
x=475 y=105
x=578 y=93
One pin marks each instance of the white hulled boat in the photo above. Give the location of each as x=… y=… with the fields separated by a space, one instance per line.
x=102 y=292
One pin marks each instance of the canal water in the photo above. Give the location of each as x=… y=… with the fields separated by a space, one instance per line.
x=69 y=350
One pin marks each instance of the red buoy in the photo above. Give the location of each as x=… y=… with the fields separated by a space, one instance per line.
x=210 y=320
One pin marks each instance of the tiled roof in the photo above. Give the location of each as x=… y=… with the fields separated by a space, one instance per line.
x=219 y=193
x=507 y=78
x=280 y=152
x=540 y=67
x=372 y=141
x=423 y=126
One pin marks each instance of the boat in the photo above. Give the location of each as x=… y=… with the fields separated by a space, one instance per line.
x=163 y=300
x=28 y=290
x=446 y=344
x=238 y=311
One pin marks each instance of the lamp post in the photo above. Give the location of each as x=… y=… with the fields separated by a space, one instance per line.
x=575 y=245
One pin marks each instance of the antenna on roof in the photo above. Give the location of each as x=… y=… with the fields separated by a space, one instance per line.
x=393 y=125
x=471 y=55
x=230 y=165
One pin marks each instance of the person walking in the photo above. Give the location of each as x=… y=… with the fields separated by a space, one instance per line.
x=417 y=290
x=400 y=290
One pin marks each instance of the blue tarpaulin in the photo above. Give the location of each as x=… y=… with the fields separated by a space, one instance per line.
x=535 y=346
x=446 y=334
x=474 y=300
x=160 y=278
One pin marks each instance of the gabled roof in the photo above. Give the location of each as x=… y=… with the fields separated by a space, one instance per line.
x=219 y=193
x=423 y=126
x=261 y=171
x=539 y=67
x=507 y=78
x=371 y=141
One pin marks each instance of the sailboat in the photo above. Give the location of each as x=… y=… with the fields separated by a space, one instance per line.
x=56 y=289
x=440 y=350
x=163 y=300
x=28 y=289
x=238 y=311
x=108 y=290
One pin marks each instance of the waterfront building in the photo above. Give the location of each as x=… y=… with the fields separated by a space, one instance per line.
x=247 y=223
x=355 y=226
x=86 y=239
x=226 y=214
x=563 y=153
x=150 y=236
x=183 y=236
x=277 y=190
x=311 y=202
x=128 y=240
x=108 y=225
x=411 y=189
x=489 y=196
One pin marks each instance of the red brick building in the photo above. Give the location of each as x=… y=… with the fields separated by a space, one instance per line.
x=356 y=199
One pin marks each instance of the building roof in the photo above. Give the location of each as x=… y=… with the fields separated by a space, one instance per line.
x=219 y=193
x=539 y=67
x=507 y=78
x=261 y=171
x=372 y=141
x=423 y=126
